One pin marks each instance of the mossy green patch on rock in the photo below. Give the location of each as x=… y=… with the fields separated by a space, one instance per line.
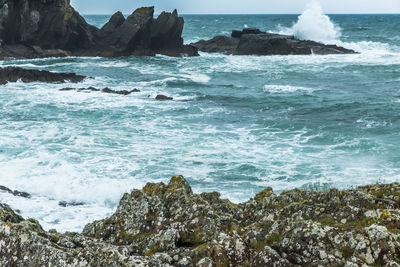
x=154 y=189
x=263 y=194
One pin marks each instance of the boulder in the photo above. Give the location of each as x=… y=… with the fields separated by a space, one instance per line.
x=13 y=74
x=43 y=28
x=252 y=41
x=163 y=97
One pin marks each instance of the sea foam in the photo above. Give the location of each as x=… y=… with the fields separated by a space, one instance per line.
x=314 y=25
x=272 y=88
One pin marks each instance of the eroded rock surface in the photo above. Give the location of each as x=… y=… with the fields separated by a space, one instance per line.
x=169 y=225
x=13 y=74
x=52 y=28
x=255 y=42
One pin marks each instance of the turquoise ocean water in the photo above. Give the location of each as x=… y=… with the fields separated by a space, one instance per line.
x=237 y=123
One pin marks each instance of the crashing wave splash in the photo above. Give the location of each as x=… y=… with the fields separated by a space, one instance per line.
x=314 y=25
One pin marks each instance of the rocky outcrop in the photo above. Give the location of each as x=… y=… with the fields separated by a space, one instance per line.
x=45 y=28
x=169 y=225
x=254 y=42
x=13 y=74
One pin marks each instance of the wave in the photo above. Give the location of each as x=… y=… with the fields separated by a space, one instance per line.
x=272 y=88
x=196 y=77
x=314 y=25
x=372 y=48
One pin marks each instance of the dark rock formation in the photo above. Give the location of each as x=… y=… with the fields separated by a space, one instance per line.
x=104 y=90
x=168 y=225
x=15 y=192
x=163 y=97
x=120 y=92
x=44 y=28
x=13 y=74
x=218 y=44
x=49 y=24
x=68 y=204
x=254 y=42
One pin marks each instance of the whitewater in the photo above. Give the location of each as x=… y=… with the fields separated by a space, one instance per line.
x=237 y=124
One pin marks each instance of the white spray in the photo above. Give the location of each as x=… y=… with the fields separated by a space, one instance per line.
x=314 y=25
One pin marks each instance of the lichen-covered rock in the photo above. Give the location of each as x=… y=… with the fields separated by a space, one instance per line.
x=169 y=225
x=25 y=243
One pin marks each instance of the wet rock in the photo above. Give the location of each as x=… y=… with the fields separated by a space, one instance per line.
x=104 y=90
x=44 y=28
x=163 y=97
x=218 y=44
x=15 y=192
x=67 y=89
x=119 y=92
x=252 y=41
x=89 y=89
x=13 y=74
x=169 y=225
x=68 y=204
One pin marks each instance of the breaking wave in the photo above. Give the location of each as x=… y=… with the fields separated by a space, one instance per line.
x=314 y=25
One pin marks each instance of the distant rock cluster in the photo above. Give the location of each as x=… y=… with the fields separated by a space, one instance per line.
x=169 y=225
x=52 y=28
x=252 y=41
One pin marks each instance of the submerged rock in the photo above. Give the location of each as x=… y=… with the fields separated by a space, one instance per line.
x=255 y=42
x=120 y=92
x=169 y=225
x=46 y=28
x=13 y=74
x=15 y=192
x=68 y=204
x=104 y=90
x=164 y=97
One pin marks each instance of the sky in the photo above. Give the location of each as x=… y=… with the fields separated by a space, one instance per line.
x=237 y=6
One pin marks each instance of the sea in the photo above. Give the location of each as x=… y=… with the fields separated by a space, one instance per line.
x=237 y=124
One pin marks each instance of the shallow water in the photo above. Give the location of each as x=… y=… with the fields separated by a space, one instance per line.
x=237 y=123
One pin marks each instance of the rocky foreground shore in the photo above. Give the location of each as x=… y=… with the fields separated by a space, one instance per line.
x=168 y=225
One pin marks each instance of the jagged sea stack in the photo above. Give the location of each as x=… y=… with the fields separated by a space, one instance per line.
x=41 y=28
